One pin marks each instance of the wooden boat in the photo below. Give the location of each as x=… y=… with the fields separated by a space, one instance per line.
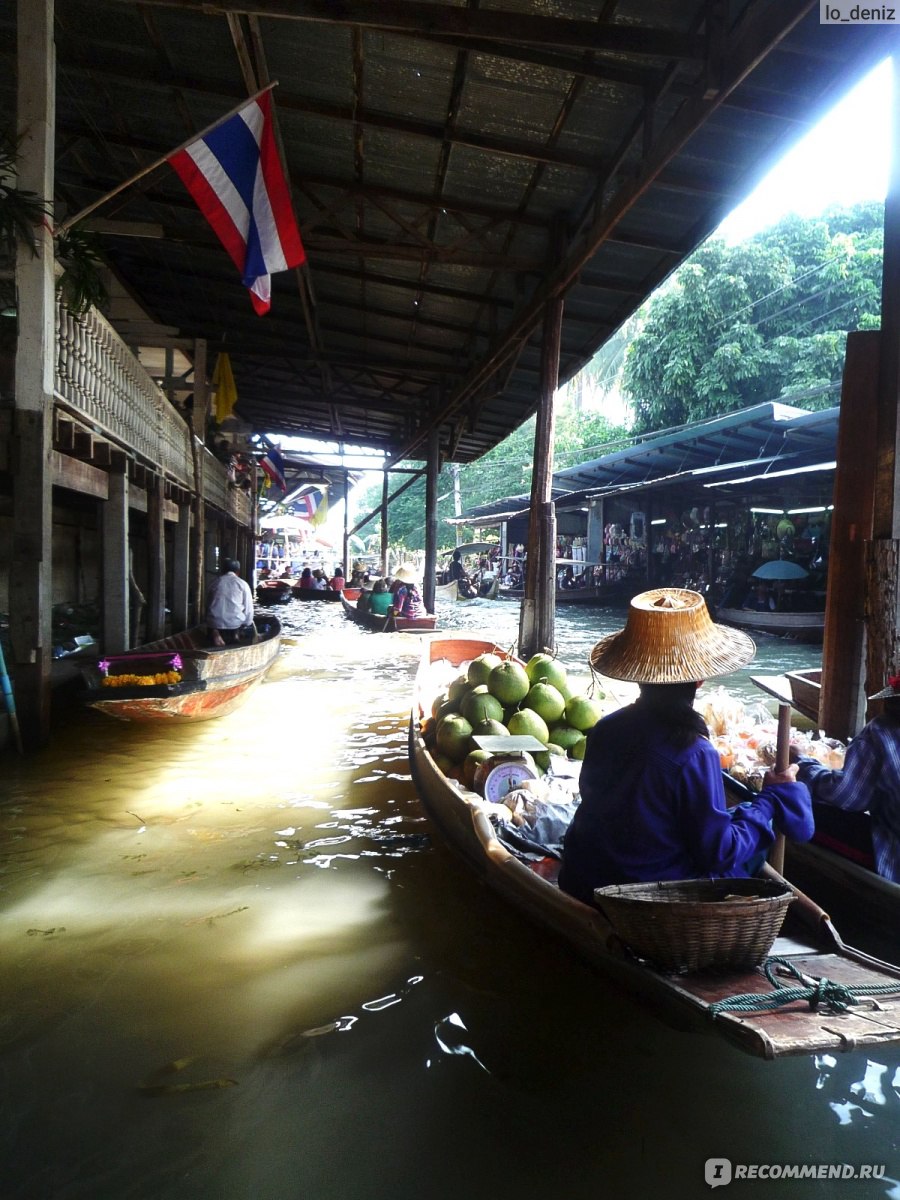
x=450 y=592
x=274 y=591
x=809 y=940
x=388 y=624
x=305 y=593
x=801 y=626
x=214 y=680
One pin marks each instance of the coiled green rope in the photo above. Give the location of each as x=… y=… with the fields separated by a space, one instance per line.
x=837 y=996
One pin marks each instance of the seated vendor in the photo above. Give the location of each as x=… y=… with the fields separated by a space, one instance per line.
x=869 y=780
x=652 y=797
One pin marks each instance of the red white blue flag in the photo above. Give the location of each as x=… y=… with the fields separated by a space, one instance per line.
x=273 y=465
x=234 y=174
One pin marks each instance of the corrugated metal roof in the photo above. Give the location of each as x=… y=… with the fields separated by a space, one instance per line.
x=452 y=165
x=766 y=453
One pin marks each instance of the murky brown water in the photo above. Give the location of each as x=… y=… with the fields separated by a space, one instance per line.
x=260 y=895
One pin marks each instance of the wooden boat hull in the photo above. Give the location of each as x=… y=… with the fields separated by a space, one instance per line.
x=851 y=890
x=614 y=593
x=802 y=627
x=450 y=592
x=273 y=592
x=305 y=593
x=215 y=680
x=683 y=1000
x=389 y=624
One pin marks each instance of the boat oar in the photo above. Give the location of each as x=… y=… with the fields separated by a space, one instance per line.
x=6 y=685
x=782 y=762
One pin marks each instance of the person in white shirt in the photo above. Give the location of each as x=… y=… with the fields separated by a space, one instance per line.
x=229 y=611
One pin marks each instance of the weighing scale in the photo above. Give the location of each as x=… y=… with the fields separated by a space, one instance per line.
x=508 y=766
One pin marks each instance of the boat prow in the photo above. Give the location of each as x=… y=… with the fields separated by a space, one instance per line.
x=214 y=680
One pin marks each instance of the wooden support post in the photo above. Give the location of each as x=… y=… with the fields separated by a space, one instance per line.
x=116 y=588
x=431 y=524
x=156 y=562
x=884 y=594
x=199 y=413
x=346 y=539
x=181 y=570
x=384 y=524
x=537 y=617
x=842 y=704
x=31 y=563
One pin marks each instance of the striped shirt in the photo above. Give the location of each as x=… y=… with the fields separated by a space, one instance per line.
x=870 y=780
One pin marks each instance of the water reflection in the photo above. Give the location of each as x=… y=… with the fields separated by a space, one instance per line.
x=261 y=895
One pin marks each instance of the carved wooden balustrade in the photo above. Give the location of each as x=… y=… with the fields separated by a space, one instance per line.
x=102 y=383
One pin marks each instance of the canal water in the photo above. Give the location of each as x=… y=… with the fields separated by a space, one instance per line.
x=256 y=905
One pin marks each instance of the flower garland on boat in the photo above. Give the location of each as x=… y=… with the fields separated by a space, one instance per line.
x=172 y=676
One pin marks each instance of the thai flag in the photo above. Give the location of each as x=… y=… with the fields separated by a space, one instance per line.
x=311 y=502
x=273 y=465
x=234 y=174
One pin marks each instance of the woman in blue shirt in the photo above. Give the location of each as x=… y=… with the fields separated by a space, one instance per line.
x=652 y=799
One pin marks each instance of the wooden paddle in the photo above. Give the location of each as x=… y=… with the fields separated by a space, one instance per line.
x=782 y=762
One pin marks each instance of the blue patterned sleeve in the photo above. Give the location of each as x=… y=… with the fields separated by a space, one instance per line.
x=852 y=788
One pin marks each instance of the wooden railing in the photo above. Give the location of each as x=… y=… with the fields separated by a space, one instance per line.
x=101 y=382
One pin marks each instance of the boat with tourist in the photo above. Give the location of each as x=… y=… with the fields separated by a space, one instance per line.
x=390 y=623
x=274 y=591
x=182 y=677
x=327 y=595
x=732 y=1005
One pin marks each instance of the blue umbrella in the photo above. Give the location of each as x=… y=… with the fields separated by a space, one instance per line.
x=780 y=568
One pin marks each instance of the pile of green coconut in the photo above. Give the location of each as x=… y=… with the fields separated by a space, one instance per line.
x=499 y=697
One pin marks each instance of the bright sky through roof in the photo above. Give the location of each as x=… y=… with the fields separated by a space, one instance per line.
x=844 y=160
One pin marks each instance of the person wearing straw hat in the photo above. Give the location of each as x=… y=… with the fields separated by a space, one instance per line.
x=869 y=779
x=652 y=798
x=407 y=598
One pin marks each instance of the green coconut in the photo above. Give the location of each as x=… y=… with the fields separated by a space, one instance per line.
x=453 y=734
x=480 y=668
x=583 y=713
x=547 y=701
x=549 y=669
x=526 y=722
x=479 y=705
x=509 y=683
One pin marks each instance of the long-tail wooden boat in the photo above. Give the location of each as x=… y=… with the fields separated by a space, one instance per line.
x=809 y=940
x=801 y=626
x=389 y=623
x=213 y=680
x=450 y=592
x=274 y=591
x=307 y=593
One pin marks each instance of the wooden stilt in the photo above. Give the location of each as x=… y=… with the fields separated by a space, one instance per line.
x=384 y=524
x=431 y=525
x=538 y=612
x=116 y=599
x=31 y=563
x=181 y=569
x=156 y=556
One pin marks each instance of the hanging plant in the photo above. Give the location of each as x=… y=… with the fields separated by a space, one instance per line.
x=81 y=283
x=21 y=211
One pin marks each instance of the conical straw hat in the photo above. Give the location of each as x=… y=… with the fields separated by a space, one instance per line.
x=669 y=637
x=406 y=573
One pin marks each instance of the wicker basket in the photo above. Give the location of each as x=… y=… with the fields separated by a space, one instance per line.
x=692 y=924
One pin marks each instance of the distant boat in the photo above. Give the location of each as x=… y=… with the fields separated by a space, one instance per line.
x=389 y=623
x=214 y=680
x=308 y=593
x=450 y=591
x=274 y=591
x=801 y=626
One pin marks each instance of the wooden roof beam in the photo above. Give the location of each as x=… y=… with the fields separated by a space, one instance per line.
x=420 y=19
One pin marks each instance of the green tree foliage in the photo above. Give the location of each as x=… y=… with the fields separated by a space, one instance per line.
x=503 y=471
x=766 y=319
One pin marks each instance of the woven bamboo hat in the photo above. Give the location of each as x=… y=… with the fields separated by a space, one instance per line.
x=669 y=637
x=891 y=692
x=406 y=573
